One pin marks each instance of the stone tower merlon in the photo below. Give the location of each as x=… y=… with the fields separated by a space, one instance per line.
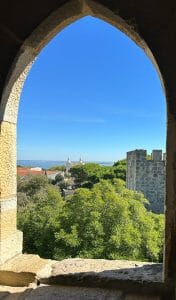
x=138 y=154
x=133 y=159
x=157 y=155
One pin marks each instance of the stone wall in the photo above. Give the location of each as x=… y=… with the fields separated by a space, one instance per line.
x=10 y=237
x=147 y=176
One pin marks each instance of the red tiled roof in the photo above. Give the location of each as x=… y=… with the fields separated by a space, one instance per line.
x=26 y=172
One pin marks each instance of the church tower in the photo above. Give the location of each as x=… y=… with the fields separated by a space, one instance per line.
x=68 y=165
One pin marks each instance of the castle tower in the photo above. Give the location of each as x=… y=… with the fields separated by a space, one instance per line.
x=147 y=176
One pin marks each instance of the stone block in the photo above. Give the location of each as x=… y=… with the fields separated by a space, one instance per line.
x=11 y=246
x=9 y=236
x=8 y=160
x=7 y=223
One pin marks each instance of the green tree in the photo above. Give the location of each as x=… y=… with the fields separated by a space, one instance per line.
x=107 y=221
x=30 y=185
x=120 y=169
x=59 y=177
x=40 y=219
x=89 y=174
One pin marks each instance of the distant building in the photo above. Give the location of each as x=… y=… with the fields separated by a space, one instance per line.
x=81 y=162
x=36 y=169
x=52 y=174
x=147 y=176
x=70 y=164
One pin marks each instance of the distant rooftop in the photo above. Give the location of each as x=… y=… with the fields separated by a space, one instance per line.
x=31 y=171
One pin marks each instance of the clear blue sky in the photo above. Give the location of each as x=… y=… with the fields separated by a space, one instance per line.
x=93 y=93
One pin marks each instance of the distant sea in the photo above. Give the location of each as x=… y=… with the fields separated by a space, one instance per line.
x=46 y=164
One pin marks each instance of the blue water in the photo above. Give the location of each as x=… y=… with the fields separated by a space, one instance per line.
x=46 y=164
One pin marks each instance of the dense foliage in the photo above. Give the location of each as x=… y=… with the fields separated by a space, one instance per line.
x=89 y=174
x=107 y=221
x=120 y=169
x=39 y=206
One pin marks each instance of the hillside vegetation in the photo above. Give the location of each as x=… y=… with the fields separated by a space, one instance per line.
x=105 y=220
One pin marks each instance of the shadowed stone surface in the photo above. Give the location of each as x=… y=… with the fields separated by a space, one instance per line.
x=15 y=293
x=112 y=269
x=74 y=293
x=46 y=292
x=128 y=276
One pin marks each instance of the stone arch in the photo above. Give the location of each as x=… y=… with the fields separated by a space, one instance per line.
x=10 y=238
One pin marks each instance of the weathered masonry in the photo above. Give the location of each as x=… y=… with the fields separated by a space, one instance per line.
x=147 y=176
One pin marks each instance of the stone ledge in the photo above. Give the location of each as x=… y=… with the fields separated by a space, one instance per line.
x=82 y=279
x=115 y=269
x=129 y=276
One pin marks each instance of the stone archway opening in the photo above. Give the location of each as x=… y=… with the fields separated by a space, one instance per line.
x=46 y=123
